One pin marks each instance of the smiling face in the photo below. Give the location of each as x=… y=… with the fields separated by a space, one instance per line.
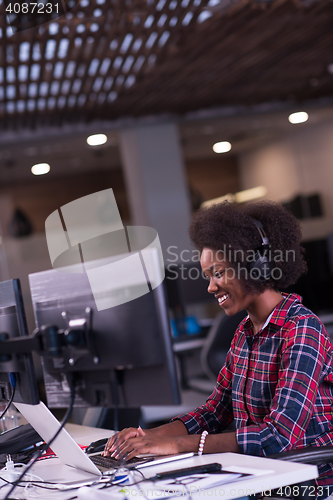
x=224 y=284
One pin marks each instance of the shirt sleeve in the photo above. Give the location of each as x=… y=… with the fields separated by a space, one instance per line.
x=216 y=414
x=302 y=368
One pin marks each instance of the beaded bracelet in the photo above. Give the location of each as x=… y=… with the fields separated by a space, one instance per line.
x=202 y=442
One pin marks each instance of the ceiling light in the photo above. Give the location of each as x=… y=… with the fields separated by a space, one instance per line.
x=251 y=194
x=227 y=197
x=222 y=147
x=40 y=168
x=97 y=139
x=240 y=197
x=299 y=117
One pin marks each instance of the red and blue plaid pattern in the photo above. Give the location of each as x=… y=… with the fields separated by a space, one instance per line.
x=277 y=385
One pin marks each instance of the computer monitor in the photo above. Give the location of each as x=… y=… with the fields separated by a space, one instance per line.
x=186 y=285
x=13 y=324
x=316 y=285
x=129 y=346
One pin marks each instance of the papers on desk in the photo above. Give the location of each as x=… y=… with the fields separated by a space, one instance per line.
x=193 y=484
x=181 y=486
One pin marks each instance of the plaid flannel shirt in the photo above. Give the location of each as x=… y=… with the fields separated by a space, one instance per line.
x=277 y=385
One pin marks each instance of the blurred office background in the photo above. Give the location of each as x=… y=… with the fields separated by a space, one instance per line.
x=165 y=80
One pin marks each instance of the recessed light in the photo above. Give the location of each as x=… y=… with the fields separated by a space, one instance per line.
x=240 y=197
x=250 y=194
x=299 y=117
x=40 y=168
x=222 y=147
x=97 y=139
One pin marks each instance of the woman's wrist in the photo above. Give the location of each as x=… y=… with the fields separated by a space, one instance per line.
x=189 y=443
x=202 y=442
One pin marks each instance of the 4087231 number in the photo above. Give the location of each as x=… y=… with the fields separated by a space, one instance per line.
x=32 y=8
x=311 y=491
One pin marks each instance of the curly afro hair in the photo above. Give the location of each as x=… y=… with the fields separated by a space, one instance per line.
x=230 y=228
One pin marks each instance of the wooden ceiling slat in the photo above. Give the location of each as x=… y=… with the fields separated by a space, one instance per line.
x=110 y=35
x=80 y=60
x=198 y=52
x=3 y=112
x=43 y=116
x=203 y=53
x=17 y=82
x=65 y=112
x=200 y=64
x=175 y=34
x=174 y=69
x=245 y=54
x=135 y=34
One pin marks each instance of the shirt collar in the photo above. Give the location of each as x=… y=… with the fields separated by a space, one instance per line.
x=281 y=311
x=279 y=314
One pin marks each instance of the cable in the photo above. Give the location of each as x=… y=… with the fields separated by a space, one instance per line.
x=47 y=445
x=186 y=493
x=12 y=380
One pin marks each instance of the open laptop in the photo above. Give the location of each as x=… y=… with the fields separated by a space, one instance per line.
x=68 y=451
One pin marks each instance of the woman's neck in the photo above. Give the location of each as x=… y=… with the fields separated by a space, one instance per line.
x=261 y=308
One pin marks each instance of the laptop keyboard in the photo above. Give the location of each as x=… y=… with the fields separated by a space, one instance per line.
x=111 y=463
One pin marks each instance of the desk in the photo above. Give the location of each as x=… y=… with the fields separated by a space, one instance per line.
x=188 y=345
x=271 y=473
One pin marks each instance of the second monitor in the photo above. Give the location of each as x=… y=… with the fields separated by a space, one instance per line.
x=16 y=368
x=126 y=347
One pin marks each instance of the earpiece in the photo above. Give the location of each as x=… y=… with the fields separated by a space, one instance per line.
x=261 y=267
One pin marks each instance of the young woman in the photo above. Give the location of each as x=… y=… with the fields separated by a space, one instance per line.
x=277 y=382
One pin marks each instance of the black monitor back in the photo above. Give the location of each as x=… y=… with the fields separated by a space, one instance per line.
x=13 y=324
x=132 y=342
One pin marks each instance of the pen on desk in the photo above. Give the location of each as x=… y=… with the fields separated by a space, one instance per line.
x=198 y=469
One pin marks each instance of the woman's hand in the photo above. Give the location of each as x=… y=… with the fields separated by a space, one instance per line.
x=117 y=440
x=146 y=444
x=176 y=428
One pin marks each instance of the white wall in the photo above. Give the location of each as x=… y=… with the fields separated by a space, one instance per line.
x=301 y=163
x=23 y=257
x=20 y=257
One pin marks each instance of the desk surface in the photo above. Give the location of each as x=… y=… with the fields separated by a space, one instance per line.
x=188 y=345
x=270 y=474
x=84 y=435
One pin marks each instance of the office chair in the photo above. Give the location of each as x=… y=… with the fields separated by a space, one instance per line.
x=215 y=350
